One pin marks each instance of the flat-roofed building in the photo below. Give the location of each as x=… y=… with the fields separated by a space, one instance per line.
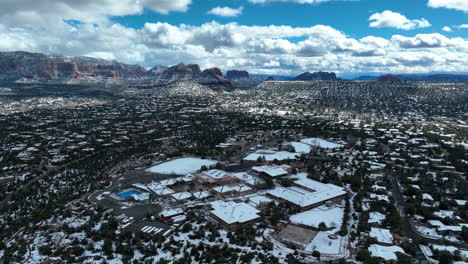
x=308 y=194
x=234 y=215
x=168 y=214
x=215 y=177
x=272 y=171
x=383 y=236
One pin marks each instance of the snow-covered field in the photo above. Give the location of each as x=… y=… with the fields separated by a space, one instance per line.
x=301 y=147
x=332 y=217
x=271 y=155
x=326 y=245
x=181 y=166
x=321 y=143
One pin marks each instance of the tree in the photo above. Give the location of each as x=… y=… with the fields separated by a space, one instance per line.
x=322 y=226
x=373 y=260
x=363 y=255
x=78 y=251
x=464 y=234
x=286 y=182
x=45 y=250
x=445 y=257
x=403 y=259
x=316 y=254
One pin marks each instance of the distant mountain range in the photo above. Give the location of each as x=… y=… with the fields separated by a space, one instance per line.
x=26 y=67
x=37 y=67
x=420 y=78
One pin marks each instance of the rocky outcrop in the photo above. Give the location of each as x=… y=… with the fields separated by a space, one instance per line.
x=180 y=72
x=316 y=76
x=38 y=67
x=156 y=71
x=215 y=79
x=235 y=74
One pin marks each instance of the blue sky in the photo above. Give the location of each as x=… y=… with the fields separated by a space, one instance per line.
x=284 y=37
x=348 y=16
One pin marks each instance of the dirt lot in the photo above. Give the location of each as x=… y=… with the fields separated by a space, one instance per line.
x=297 y=234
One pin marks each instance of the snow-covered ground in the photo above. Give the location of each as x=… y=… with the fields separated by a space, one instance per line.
x=332 y=217
x=321 y=143
x=329 y=245
x=181 y=166
x=271 y=155
x=301 y=147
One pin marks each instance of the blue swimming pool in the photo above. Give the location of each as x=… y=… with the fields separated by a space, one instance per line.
x=125 y=195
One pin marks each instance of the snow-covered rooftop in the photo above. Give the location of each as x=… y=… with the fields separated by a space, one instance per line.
x=376 y=217
x=171 y=212
x=232 y=212
x=223 y=189
x=322 y=192
x=201 y=194
x=273 y=171
x=215 y=174
x=259 y=199
x=381 y=235
x=246 y=177
x=181 y=195
x=387 y=253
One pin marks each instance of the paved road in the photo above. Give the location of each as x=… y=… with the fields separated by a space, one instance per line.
x=407 y=225
x=405 y=221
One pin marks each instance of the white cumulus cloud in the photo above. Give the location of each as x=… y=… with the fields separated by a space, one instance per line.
x=52 y=13
x=435 y=40
x=451 y=4
x=391 y=19
x=257 y=49
x=447 y=29
x=226 y=11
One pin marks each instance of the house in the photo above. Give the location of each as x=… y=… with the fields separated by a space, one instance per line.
x=383 y=236
x=247 y=178
x=375 y=218
x=386 y=253
x=234 y=215
x=242 y=189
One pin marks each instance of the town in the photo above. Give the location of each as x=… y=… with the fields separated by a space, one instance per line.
x=310 y=172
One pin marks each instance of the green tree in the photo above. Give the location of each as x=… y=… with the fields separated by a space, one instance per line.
x=316 y=254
